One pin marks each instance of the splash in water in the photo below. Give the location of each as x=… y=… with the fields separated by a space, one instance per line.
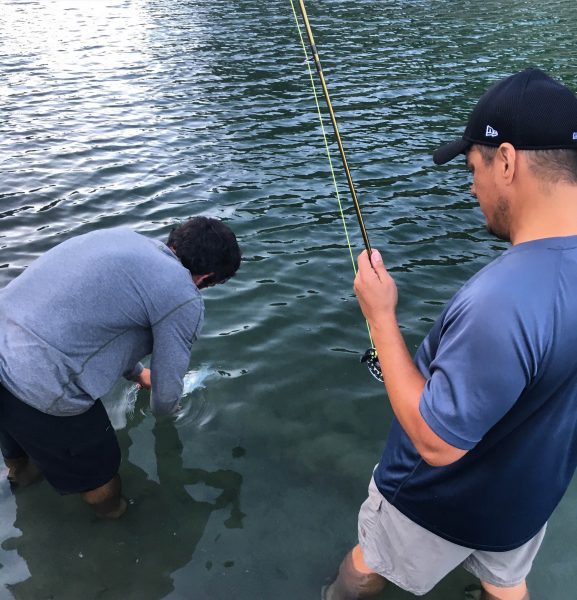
x=120 y=403
x=194 y=380
x=120 y=406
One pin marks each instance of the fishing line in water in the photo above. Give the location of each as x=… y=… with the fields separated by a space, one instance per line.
x=370 y=356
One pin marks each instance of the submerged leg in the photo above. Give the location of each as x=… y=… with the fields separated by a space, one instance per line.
x=355 y=579
x=492 y=592
x=22 y=471
x=107 y=500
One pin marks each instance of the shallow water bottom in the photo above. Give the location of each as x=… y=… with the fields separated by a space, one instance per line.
x=204 y=524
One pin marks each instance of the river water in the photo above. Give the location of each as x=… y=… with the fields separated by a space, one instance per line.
x=142 y=113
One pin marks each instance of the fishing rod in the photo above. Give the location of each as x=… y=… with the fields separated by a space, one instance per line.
x=370 y=356
x=319 y=68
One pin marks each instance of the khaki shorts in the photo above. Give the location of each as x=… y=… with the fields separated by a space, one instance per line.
x=415 y=559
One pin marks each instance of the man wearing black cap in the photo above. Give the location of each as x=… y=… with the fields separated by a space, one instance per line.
x=484 y=440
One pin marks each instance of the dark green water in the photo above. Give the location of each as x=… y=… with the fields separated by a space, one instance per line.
x=144 y=112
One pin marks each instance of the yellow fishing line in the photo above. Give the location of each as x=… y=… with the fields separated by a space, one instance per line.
x=313 y=85
x=324 y=137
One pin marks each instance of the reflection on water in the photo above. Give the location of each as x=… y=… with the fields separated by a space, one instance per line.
x=145 y=112
x=63 y=29
x=66 y=550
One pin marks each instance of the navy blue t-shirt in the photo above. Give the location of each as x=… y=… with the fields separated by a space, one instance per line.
x=501 y=370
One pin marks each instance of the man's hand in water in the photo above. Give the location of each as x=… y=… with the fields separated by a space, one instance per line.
x=144 y=379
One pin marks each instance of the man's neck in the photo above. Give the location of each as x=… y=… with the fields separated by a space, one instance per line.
x=545 y=214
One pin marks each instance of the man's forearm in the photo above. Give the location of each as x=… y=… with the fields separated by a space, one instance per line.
x=160 y=408
x=404 y=384
x=403 y=381
x=377 y=295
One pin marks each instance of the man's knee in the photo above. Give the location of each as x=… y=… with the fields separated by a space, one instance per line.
x=355 y=579
x=107 y=500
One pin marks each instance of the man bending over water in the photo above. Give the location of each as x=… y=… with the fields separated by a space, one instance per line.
x=77 y=319
x=484 y=441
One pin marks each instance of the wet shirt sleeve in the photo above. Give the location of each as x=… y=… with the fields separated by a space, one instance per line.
x=134 y=373
x=173 y=337
x=484 y=359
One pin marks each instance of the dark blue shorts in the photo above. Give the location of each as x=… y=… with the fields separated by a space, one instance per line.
x=75 y=454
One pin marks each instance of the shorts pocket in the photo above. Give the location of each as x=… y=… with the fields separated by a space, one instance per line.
x=370 y=512
x=375 y=497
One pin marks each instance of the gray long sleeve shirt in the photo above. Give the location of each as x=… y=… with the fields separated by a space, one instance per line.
x=86 y=312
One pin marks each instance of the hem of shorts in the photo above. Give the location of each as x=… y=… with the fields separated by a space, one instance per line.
x=392 y=499
x=395 y=581
x=82 y=489
x=488 y=578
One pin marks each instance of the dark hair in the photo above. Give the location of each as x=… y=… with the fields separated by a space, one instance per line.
x=554 y=166
x=487 y=153
x=205 y=245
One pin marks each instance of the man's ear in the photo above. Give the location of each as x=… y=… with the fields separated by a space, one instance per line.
x=506 y=162
x=198 y=279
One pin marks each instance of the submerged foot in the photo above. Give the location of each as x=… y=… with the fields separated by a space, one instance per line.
x=117 y=512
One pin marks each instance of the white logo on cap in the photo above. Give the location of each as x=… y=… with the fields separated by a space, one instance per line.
x=575 y=135
x=490 y=132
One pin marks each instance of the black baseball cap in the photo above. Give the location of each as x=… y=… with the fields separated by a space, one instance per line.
x=529 y=110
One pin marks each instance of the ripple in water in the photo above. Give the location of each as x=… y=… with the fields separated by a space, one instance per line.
x=120 y=403
x=196 y=411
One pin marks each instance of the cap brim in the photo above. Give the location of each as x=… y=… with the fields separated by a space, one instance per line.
x=449 y=151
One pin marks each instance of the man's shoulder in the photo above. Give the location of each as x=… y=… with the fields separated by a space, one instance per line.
x=517 y=276
x=123 y=244
x=108 y=242
x=117 y=235
x=121 y=257
x=516 y=290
